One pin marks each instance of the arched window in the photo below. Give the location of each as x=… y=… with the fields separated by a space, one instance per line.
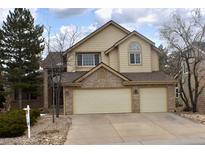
x=134 y=53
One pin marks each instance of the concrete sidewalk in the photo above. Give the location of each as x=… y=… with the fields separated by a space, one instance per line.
x=134 y=128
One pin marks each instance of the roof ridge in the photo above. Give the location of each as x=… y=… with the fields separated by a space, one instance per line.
x=94 y=69
x=127 y=36
x=96 y=31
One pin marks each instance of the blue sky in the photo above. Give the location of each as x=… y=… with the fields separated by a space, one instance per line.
x=56 y=18
x=51 y=18
x=145 y=21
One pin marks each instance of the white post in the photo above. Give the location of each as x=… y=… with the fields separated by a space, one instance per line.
x=27 y=109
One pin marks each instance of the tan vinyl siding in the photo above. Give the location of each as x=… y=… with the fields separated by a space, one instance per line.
x=145 y=65
x=155 y=61
x=114 y=59
x=98 y=43
x=71 y=62
x=103 y=40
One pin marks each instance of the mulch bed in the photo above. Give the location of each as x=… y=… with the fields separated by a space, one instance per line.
x=43 y=132
x=193 y=116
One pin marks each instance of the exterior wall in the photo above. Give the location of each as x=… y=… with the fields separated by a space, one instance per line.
x=45 y=89
x=135 y=99
x=119 y=58
x=171 y=98
x=103 y=40
x=145 y=65
x=102 y=79
x=201 y=104
x=105 y=79
x=155 y=61
x=114 y=59
x=68 y=100
x=98 y=43
x=201 y=99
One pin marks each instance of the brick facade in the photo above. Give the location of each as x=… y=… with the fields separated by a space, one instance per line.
x=201 y=105
x=102 y=78
x=171 y=98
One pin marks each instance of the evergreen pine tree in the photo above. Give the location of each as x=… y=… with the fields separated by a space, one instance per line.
x=21 y=46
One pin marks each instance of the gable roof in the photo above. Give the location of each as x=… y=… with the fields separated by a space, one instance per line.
x=111 y=22
x=52 y=60
x=98 y=67
x=154 y=77
x=128 y=36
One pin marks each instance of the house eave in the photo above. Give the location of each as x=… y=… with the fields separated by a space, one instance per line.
x=130 y=83
x=71 y=84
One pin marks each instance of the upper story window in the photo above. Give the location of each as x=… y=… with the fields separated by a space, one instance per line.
x=88 y=59
x=184 y=68
x=134 y=50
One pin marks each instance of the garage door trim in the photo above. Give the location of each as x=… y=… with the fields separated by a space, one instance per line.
x=101 y=104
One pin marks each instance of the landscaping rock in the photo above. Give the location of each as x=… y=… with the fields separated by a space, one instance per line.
x=193 y=116
x=43 y=132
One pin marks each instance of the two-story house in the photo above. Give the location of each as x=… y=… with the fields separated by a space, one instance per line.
x=113 y=70
x=193 y=53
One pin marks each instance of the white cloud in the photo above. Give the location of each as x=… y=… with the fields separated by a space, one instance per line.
x=82 y=30
x=150 y=18
x=67 y=30
x=4 y=13
x=138 y=16
x=132 y=19
x=34 y=12
x=103 y=15
x=64 y=13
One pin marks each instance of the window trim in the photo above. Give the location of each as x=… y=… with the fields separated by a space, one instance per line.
x=93 y=53
x=135 y=52
x=177 y=93
x=135 y=58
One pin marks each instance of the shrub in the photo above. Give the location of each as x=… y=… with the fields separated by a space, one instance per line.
x=34 y=114
x=13 y=123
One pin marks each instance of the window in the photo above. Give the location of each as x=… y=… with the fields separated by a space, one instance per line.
x=184 y=68
x=134 y=53
x=87 y=59
x=177 y=92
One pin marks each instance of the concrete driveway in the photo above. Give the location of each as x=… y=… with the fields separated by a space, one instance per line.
x=134 y=128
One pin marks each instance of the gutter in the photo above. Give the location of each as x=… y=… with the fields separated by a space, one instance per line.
x=130 y=83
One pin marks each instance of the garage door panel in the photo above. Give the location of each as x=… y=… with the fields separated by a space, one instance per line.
x=153 y=100
x=102 y=101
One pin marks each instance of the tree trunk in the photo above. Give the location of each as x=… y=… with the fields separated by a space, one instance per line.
x=194 y=109
x=183 y=96
x=57 y=102
x=20 y=98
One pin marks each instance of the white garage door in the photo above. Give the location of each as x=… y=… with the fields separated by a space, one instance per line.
x=153 y=100
x=101 y=101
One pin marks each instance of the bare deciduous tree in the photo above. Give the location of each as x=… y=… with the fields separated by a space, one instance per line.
x=60 y=42
x=185 y=36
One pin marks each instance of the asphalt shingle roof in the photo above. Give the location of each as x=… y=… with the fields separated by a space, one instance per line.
x=53 y=58
x=149 y=76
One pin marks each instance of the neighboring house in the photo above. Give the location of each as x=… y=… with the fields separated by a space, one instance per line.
x=200 y=70
x=51 y=61
x=35 y=100
x=113 y=70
